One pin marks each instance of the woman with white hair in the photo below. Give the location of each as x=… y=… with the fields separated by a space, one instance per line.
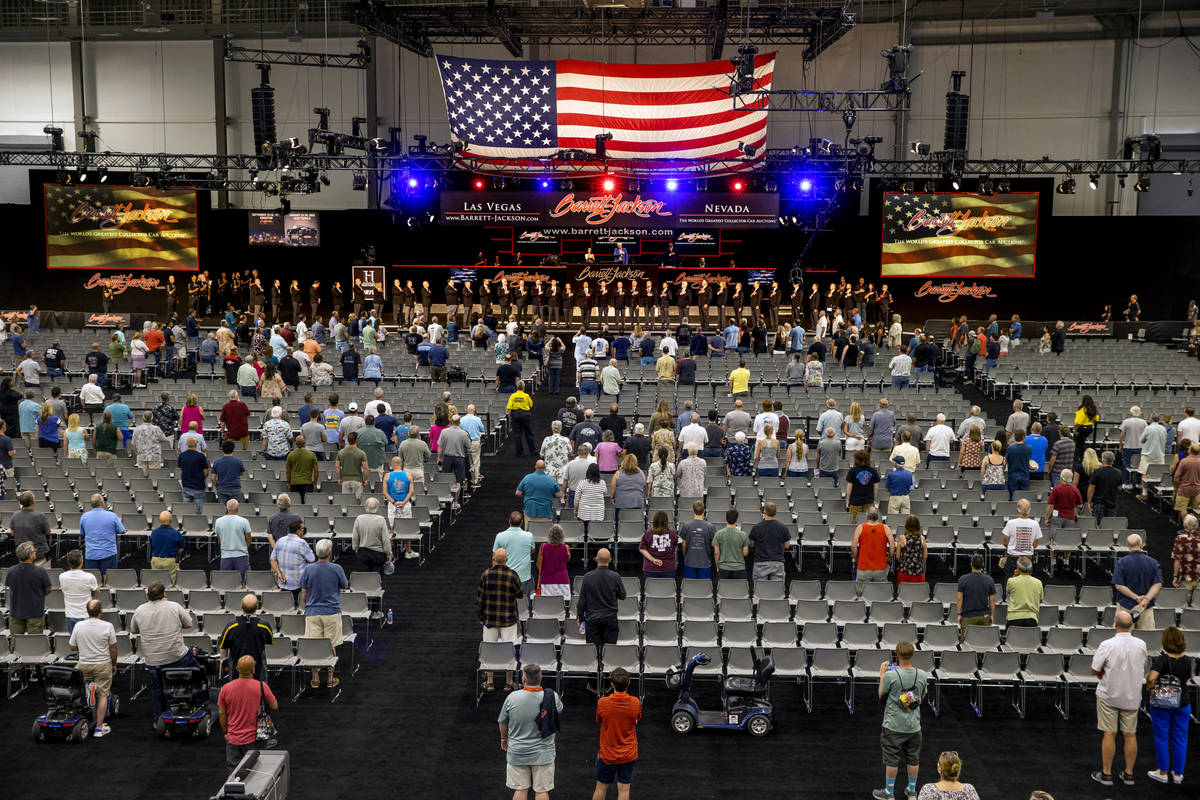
x=895 y=333
x=737 y=456
x=501 y=349
x=690 y=473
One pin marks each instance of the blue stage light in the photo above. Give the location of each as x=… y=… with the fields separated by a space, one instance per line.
x=672 y=185
x=545 y=183
x=805 y=185
x=412 y=183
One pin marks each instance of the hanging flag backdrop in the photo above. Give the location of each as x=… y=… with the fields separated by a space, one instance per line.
x=510 y=112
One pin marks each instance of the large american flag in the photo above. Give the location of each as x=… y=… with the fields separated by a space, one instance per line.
x=959 y=235
x=120 y=227
x=509 y=113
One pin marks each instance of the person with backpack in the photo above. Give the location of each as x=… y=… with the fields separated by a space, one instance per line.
x=902 y=691
x=247 y=635
x=1167 y=682
x=974 y=348
x=528 y=726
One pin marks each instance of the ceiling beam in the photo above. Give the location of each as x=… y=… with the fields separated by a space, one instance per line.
x=720 y=29
x=503 y=33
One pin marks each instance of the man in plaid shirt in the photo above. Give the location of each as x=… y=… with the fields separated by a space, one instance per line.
x=496 y=604
x=289 y=556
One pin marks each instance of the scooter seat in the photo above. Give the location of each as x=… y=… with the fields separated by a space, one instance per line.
x=736 y=684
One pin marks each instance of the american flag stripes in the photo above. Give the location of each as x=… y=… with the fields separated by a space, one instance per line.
x=109 y=227
x=508 y=113
x=959 y=235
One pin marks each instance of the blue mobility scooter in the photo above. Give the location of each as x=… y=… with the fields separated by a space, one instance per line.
x=745 y=701
x=188 y=703
x=70 y=705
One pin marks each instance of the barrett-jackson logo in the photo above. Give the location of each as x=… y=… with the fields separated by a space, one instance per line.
x=953 y=290
x=104 y=320
x=606 y=275
x=523 y=277
x=535 y=236
x=599 y=210
x=696 y=278
x=1089 y=328
x=695 y=238
x=118 y=284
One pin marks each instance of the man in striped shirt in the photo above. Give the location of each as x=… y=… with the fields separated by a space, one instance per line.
x=289 y=557
x=586 y=372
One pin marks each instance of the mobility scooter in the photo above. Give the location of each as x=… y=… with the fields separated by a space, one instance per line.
x=188 y=704
x=70 y=705
x=745 y=701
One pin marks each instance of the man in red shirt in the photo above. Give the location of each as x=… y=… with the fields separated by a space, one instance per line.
x=235 y=417
x=238 y=705
x=154 y=342
x=1185 y=554
x=618 y=715
x=871 y=550
x=1065 y=499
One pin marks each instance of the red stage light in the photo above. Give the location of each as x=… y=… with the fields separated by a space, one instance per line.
x=609 y=184
x=478 y=183
x=737 y=186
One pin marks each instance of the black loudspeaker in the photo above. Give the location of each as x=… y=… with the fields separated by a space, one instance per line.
x=262 y=110
x=958 y=114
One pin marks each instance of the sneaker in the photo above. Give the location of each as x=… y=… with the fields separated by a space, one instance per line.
x=883 y=794
x=1157 y=775
x=1125 y=778
x=1178 y=778
x=103 y=730
x=412 y=554
x=1102 y=778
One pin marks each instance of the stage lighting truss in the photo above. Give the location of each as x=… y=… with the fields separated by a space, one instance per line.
x=304 y=171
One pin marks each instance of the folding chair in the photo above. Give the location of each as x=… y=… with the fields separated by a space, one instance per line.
x=829 y=666
x=956 y=669
x=1042 y=670
x=493 y=657
x=999 y=670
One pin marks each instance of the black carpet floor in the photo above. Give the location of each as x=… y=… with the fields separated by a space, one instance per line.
x=406 y=725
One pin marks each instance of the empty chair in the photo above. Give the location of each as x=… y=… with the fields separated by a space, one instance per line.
x=779 y=634
x=660 y=608
x=702 y=635
x=998 y=670
x=885 y=611
x=734 y=610
x=982 y=638
x=811 y=611
x=700 y=609
x=860 y=635
x=547 y=607
x=877 y=591
x=1063 y=641
x=741 y=633
x=929 y=612
x=543 y=630
x=829 y=666
x=895 y=632
x=845 y=611
x=660 y=633
x=776 y=611
x=1042 y=670
x=657 y=659
x=1023 y=640
x=940 y=638
x=819 y=635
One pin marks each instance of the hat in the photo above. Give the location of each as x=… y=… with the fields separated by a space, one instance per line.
x=353 y=406
x=1033 y=466
x=898 y=460
x=116 y=396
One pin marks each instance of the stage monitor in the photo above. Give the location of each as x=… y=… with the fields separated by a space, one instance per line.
x=121 y=227
x=460 y=274
x=760 y=276
x=959 y=235
x=294 y=229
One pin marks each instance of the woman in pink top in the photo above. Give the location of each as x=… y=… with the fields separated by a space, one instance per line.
x=192 y=412
x=553 y=578
x=441 y=421
x=608 y=454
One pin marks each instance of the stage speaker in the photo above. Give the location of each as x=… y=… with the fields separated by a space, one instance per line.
x=260 y=775
x=958 y=114
x=262 y=110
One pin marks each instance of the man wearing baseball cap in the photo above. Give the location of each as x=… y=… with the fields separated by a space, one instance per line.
x=351 y=423
x=899 y=484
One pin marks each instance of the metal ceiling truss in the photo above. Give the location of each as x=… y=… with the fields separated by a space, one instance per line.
x=831 y=100
x=300 y=171
x=357 y=60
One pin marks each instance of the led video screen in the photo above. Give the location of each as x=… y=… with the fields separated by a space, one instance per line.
x=121 y=227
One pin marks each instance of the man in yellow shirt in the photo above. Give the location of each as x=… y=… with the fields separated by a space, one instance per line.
x=739 y=380
x=520 y=420
x=665 y=367
x=1025 y=594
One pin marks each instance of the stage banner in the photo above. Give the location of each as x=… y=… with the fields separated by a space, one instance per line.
x=104 y=319
x=121 y=227
x=1089 y=328
x=370 y=275
x=959 y=235
x=600 y=275
x=584 y=212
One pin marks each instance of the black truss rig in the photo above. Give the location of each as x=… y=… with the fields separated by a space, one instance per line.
x=295 y=173
x=356 y=60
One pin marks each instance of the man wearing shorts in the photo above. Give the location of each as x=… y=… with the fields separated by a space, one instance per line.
x=453 y=443
x=618 y=715
x=529 y=755
x=902 y=687
x=96 y=642
x=99 y=529
x=496 y=607
x=320 y=583
x=1119 y=662
x=399 y=486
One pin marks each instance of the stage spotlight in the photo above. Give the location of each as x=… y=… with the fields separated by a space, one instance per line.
x=919 y=148
x=927 y=187
x=254 y=176
x=139 y=179
x=544 y=183
x=1093 y=181
x=478 y=183
x=848 y=117
x=906 y=187
x=82 y=175
x=748 y=150
x=413 y=183
x=602 y=140
x=1121 y=180
x=856 y=184
x=783 y=221
x=1142 y=185
x=609 y=184
x=771 y=186
x=955 y=182
x=1003 y=187
x=56 y=137
x=103 y=173
x=360 y=182
x=325 y=178
x=1189 y=189
x=985 y=186
x=805 y=185
x=672 y=184
x=738 y=186
x=1067 y=186
x=794 y=219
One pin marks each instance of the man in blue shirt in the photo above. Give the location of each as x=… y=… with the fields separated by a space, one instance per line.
x=473 y=425
x=166 y=546
x=519 y=545
x=191 y=327
x=193 y=473
x=306 y=408
x=228 y=471
x=1136 y=581
x=28 y=413
x=402 y=428
x=620 y=254
x=899 y=485
x=1018 y=457
x=18 y=343
x=796 y=339
x=438 y=356
x=387 y=424
x=233 y=532
x=100 y=529
x=1038 y=444
x=731 y=336
x=320 y=584
x=399 y=487
x=122 y=416
x=539 y=491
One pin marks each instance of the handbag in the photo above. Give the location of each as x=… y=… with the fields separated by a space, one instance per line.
x=266 y=737
x=1167 y=691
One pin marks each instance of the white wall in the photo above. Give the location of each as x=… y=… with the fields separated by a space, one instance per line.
x=1028 y=99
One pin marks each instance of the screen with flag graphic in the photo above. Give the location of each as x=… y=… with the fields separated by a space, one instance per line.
x=959 y=235
x=121 y=227
x=513 y=110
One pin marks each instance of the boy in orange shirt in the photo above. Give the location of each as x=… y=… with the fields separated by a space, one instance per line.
x=618 y=715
